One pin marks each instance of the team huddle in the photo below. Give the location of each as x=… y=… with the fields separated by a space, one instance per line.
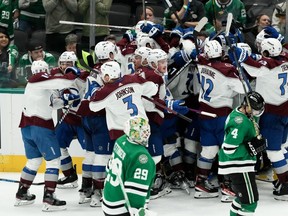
x=155 y=114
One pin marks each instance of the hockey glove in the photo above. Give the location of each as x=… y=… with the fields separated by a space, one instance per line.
x=273 y=33
x=193 y=54
x=256 y=146
x=188 y=33
x=91 y=86
x=71 y=99
x=130 y=35
x=177 y=32
x=241 y=55
x=180 y=58
x=177 y=105
x=73 y=70
x=152 y=30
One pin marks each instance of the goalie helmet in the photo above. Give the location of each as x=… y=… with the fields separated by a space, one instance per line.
x=271 y=46
x=213 y=49
x=39 y=66
x=68 y=56
x=110 y=70
x=156 y=55
x=103 y=50
x=257 y=103
x=138 y=130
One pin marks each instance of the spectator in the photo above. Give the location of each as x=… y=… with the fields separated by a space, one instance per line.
x=32 y=16
x=102 y=9
x=279 y=18
x=149 y=14
x=8 y=57
x=189 y=12
x=9 y=13
x=218 y=10
x=55 y=32
x=35 y=52
x=262 y=21
x=71 y=42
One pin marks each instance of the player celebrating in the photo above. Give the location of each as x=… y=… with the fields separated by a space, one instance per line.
x=237 y=156
x=131 y=171
x=37 y=128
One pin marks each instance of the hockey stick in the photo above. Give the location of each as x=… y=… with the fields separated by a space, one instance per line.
x=239 y=68
x=17 y=181
x=197 y=29
x=168 y=109
x=203 y=113
x=169 y=4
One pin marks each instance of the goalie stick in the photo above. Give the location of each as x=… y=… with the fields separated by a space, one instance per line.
x=197 y=29
x=239 y=68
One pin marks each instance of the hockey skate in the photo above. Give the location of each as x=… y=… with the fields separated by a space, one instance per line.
x=266 y=175
x=204 y=189
x=70 y=181
x=160 y=188
x=178 y=181
x=51 y=203
x=23 y=197
x=96 y=198
x=190 y=179
x=228 y=195
x=280 y=191
x=85 y=195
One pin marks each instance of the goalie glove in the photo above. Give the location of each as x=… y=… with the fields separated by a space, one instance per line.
x=71 y=99
x=256 y=146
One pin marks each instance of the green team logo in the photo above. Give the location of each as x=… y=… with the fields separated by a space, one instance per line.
x=238 y=119
x=143 y=159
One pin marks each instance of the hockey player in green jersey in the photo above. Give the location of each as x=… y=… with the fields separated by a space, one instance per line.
x=237 y=156
x=132 y=163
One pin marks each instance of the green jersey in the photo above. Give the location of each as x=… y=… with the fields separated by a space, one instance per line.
x=215 y=10
x=137 y=170
x=7 y=8
x=233 y=155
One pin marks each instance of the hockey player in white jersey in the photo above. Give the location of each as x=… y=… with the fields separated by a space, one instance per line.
x=37 y=128
x=219 y=84
x=271 y=82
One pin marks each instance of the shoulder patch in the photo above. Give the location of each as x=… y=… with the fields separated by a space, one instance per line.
x=238 y=119
x=143 y=159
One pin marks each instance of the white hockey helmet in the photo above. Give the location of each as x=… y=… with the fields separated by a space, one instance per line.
x=103 y=50
x=138 y=130
x=68 y=56
x=272 y=46
x=143 y=40
x=39 y=66
x=138 y=25
x=110 y=70
x=246 y=47
x=156 y=55
x=187 y=45
x=213 y=49
x=143 y=52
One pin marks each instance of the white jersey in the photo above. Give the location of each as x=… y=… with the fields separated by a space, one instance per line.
x=271 y=78
x=121 y=100
x=219 y=84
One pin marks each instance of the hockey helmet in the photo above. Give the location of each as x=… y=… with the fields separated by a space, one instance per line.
x=257 y=103
x=110 y=70
x=39 y=66
x=271 y=47
x=156 y=55
x=103 y=50
x=138 y=130
x=213 y=49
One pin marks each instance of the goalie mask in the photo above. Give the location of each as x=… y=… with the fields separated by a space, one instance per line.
x=39 y=66
x=137 y=130
x=257 y=103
